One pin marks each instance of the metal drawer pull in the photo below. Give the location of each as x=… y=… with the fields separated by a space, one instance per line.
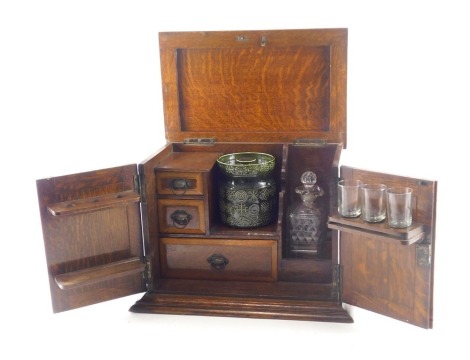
x=217 y=261
x=180 y=219
x=180 y=186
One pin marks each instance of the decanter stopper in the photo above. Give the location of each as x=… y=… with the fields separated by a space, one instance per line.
x=309 y=190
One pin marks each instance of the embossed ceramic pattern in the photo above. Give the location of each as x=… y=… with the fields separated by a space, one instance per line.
x=246 y=164
x=245 y=205
x=247 y=190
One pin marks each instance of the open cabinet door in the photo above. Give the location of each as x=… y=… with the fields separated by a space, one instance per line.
x=92 y=236
x=385 y=270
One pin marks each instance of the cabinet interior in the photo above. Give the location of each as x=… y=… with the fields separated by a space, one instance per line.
x=291 y=161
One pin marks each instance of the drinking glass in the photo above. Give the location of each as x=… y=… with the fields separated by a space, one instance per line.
x=373 y=202
x=399 y=207
x=349 y=198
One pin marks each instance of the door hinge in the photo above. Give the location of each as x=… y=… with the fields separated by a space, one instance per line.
x=147 y=275
x=423 y=254
x=337 y=283
x=139 y=186
x=199 y=141
x=310 y=142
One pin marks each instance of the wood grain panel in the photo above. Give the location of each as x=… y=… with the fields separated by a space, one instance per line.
x=258 y=86
x=387 y=275
x=193 y=209
x=193 y=183
x=84 y=248
x=254 y=260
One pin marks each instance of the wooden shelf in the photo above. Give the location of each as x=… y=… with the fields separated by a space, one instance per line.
x=101 y=202
x=407 y=236
x=223 y=231
x=99 y=273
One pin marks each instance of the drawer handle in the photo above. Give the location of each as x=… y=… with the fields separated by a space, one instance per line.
x=217 y=261
x=180 y=186
x=180 y=219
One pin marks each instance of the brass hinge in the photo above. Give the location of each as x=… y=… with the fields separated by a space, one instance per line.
x=139 y=186
x=423 y=254
x=199 y=141
x=310 y=142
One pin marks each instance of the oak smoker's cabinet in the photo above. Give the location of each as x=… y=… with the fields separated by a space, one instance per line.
x=155 y=227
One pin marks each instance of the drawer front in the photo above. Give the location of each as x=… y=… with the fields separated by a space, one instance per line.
x=181 y=216
x=252 y=260
x=180 y=183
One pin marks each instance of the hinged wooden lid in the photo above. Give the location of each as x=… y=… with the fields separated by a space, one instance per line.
x=255 y=86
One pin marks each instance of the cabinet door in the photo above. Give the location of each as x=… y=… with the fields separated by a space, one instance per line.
x=385 y=270
x=92 y=236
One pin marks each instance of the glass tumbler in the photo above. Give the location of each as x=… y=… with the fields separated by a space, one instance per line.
x=373 y=202
x=399 y=207
x=349 y=198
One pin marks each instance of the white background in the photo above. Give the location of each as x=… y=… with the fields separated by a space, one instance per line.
x=80 y=90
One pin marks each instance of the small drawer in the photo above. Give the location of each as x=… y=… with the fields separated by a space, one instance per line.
x=219 y=259
x=180 y=183
x=181 y=216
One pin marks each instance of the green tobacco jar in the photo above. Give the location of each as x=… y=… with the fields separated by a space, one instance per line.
x=247 y=189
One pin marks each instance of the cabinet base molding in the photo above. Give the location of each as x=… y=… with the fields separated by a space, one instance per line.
x=261 y=307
